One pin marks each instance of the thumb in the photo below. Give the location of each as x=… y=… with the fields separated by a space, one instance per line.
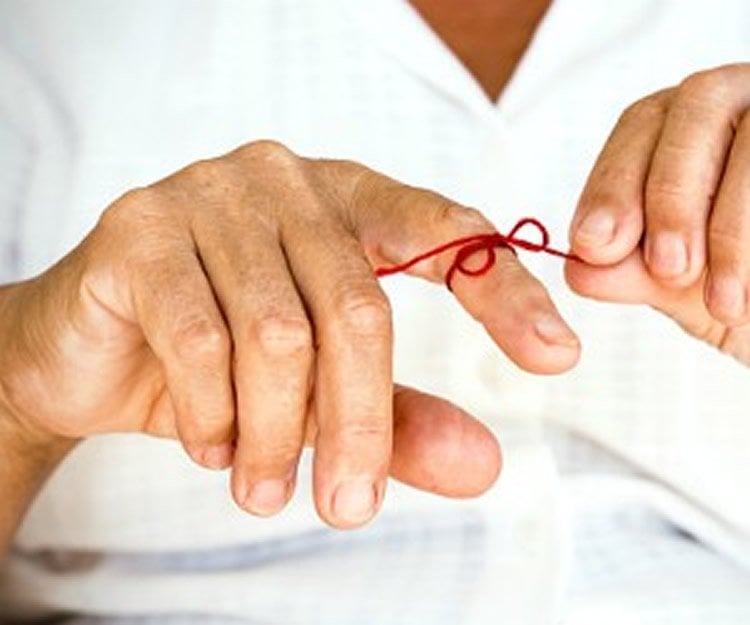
x=439 y=448
x=627 y=282
x=630 y=282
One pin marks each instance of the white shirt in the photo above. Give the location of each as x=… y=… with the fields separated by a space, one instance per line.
x=105 y=96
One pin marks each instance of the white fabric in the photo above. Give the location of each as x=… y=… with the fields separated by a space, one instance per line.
x=108 y=95
x=423 y=566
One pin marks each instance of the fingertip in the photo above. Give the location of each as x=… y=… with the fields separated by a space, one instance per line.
x=267 y=497
x=351 y=503
x=554 y=331
x=596 y=229
x=262 y=497
x=349 y=475
x=440 y=448
x=577 y=276
x=673 y=259
x=355 y=502
x=209 y=455
x=492 y=453
x=543 y=344
x=604 y=236
x=218 y=457
x=526 y=325
x=541 y=358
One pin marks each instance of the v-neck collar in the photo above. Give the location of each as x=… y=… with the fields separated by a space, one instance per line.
x=401 y=32
x=397 y=27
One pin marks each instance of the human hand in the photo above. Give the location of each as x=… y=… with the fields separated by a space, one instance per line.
x=233 y=306
x=664 y=218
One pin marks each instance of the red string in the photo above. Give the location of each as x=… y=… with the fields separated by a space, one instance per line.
x=468 y=246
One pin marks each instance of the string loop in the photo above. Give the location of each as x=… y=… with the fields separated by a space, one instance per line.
x=487 y=242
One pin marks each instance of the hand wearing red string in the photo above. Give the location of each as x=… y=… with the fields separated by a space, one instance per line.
x=233 y=306
x=664 y=218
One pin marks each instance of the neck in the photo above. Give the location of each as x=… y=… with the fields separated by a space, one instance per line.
x=488 y=36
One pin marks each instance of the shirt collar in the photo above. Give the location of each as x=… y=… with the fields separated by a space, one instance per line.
x=571 y=31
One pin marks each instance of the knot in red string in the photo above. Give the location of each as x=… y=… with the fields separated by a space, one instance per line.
x=488 y=242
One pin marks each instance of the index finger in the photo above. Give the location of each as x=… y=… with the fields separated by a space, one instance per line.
x=396 y=222
x=608 y=223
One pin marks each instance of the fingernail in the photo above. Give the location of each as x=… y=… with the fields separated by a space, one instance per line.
x=667 y=254
x=597 y=228
x=218 y=456
x=728 y=295
x=267 y=497
x=552 y=330
x=354 y=501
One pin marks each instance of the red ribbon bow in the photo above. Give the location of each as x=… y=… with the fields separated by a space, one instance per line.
x=468 y=246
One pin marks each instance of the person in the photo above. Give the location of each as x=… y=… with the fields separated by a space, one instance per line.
x=232 y=305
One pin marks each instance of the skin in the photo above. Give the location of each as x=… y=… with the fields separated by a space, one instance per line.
x=176 y=313
x=488 y=36
x=663 y=219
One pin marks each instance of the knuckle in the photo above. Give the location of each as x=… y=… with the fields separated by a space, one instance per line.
x=671 y=190
x=134 y=225
x=206 y=174
x=364 y=312
x=266 y=150
x=128 y=207
x=607 y=179
x=664 y=199
x=663 y=191
x=280 y=335
x=652 y=106
x=470 y=216
x=269 y=170
x=450 y=213
x=201 y=339
x=274 y=456
x=711 y=84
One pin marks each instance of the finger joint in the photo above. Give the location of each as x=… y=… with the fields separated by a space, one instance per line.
x=201 y=340
x=280 y=335
x=364 y=313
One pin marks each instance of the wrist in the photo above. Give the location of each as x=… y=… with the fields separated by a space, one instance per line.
x=27 y=458
x=28 y=444
x=17 y=433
